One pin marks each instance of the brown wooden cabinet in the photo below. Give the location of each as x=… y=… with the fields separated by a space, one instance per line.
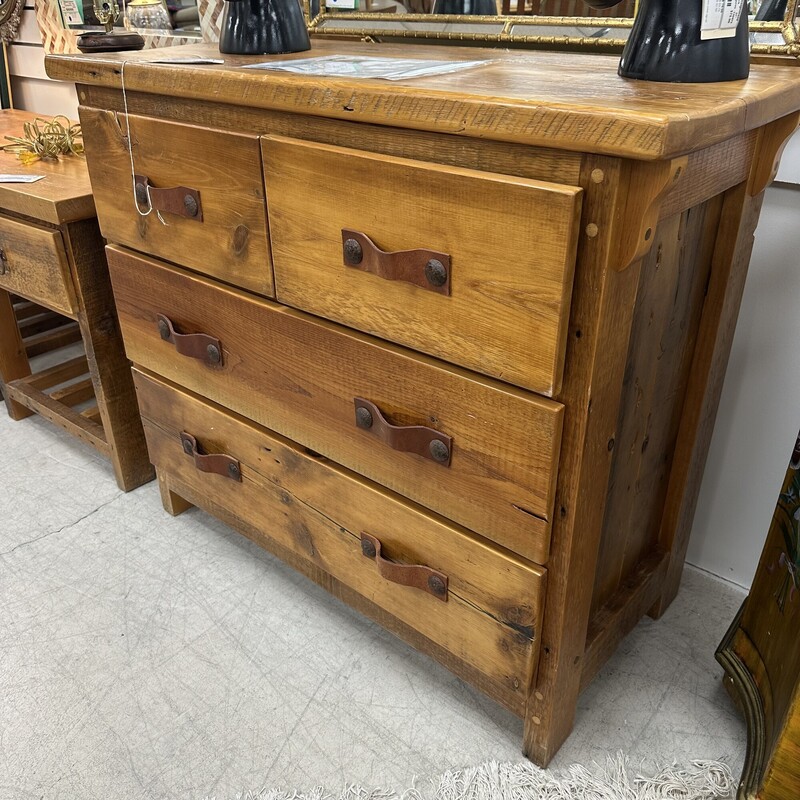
x=452 y=347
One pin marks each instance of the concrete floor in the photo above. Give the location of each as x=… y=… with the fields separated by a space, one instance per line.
x=143 y=656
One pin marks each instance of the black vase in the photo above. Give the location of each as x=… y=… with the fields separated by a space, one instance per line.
x=476 y=7
x=263 y=27
x=665 y=45
x=771 y=11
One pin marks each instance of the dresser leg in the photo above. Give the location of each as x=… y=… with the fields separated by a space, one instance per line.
x=13 y=358
x=109 y=367
x=173 y=504
x=726 y=285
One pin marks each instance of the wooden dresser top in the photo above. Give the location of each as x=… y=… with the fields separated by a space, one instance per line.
x=563 y=100
x=64 y=195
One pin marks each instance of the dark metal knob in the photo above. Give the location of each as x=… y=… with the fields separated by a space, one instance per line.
x=188 y=447
x=368 y=548
x=190 y=204
x=3 y=262
x=163 y=329
x=436 y=272
x=141 y=195
x=214 y=356
x=439 y=451
x=352 y=251
x=234 y=471
x=436 y=584
x=363 y=417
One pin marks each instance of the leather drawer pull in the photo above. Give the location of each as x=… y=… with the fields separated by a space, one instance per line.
x=426 y=268
x=216 y=463
x=180 y=200
x=418 y=439
x=201 y=346
x=414 y=575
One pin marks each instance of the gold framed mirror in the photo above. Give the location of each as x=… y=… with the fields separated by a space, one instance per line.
x=518 y=23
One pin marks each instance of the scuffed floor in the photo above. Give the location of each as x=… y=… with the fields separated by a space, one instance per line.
x=143 y=656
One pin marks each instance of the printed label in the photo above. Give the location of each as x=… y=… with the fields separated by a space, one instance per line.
x=720 y=18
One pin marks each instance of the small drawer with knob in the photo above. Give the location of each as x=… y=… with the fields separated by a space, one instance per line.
x=469 y=266
x=479 y=452
x=475 y=603
x=34 y=264
x=189 y=194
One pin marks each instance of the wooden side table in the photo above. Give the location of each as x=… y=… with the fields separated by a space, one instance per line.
x=54 y=292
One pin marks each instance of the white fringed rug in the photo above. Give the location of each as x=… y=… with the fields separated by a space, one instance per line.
x=700 y=780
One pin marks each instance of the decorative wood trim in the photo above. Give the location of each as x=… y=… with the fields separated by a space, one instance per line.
x=648 y=185
x=775 y=137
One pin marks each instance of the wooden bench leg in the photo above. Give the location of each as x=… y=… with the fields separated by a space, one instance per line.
x=13 y=357
x=173 y=504
x=109 y=368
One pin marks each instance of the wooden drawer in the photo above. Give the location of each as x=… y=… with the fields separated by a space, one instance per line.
x=511 y=244
x=300 y=376
x=35 y=265
x=491 y=614
x=227 y=238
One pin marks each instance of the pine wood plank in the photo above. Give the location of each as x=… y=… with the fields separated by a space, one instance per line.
x=46 y=341
x=14 y=362
x=36 y=265
x=230 y=242
x=65 y=417
x=105 y=352
x=492 y=616
x=299 y=375
x=566 y=100
x=64 y=195
x=507 y=312
x=58 y=373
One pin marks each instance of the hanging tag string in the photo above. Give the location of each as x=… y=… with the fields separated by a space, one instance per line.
x=130 y=156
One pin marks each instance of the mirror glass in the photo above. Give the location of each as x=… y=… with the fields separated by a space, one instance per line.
x=553 y=24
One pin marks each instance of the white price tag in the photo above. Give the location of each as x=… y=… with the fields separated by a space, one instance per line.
x=20 y=178
x=720 y=18
x=341 y=3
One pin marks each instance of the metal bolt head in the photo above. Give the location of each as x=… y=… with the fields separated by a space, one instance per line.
x=436 y=272
x=214 y=355
x=190 y=204
x=363 y=417
x=234 y=471
x=141 y=194
x=436 y=585
x=352 y=251
x=188 y=447
x=163 y=329
x=368 y=548
x=439 y=451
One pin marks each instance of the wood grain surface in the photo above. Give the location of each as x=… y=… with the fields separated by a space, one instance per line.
x=318 y=510
x=230 y=242
x=64 y=195
x=566 y=100
x=36 y=265
x=507 y=311
x=299 y=376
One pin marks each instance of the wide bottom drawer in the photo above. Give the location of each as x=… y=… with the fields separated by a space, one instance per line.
x=478 y=604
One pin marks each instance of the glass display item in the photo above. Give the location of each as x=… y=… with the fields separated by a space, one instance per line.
x=151 y=14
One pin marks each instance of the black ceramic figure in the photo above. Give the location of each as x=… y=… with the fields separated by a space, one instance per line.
x=771 y=11
x=665 y=45
x=263 y=27
x=474 y=7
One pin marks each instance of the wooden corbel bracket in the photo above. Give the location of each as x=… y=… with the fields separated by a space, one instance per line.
x=774 y=138
x=649 y=183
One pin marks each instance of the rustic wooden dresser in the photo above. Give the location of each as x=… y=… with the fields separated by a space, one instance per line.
x=453 y=346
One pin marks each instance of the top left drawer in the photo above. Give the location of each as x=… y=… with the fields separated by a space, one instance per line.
x=205 y=188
